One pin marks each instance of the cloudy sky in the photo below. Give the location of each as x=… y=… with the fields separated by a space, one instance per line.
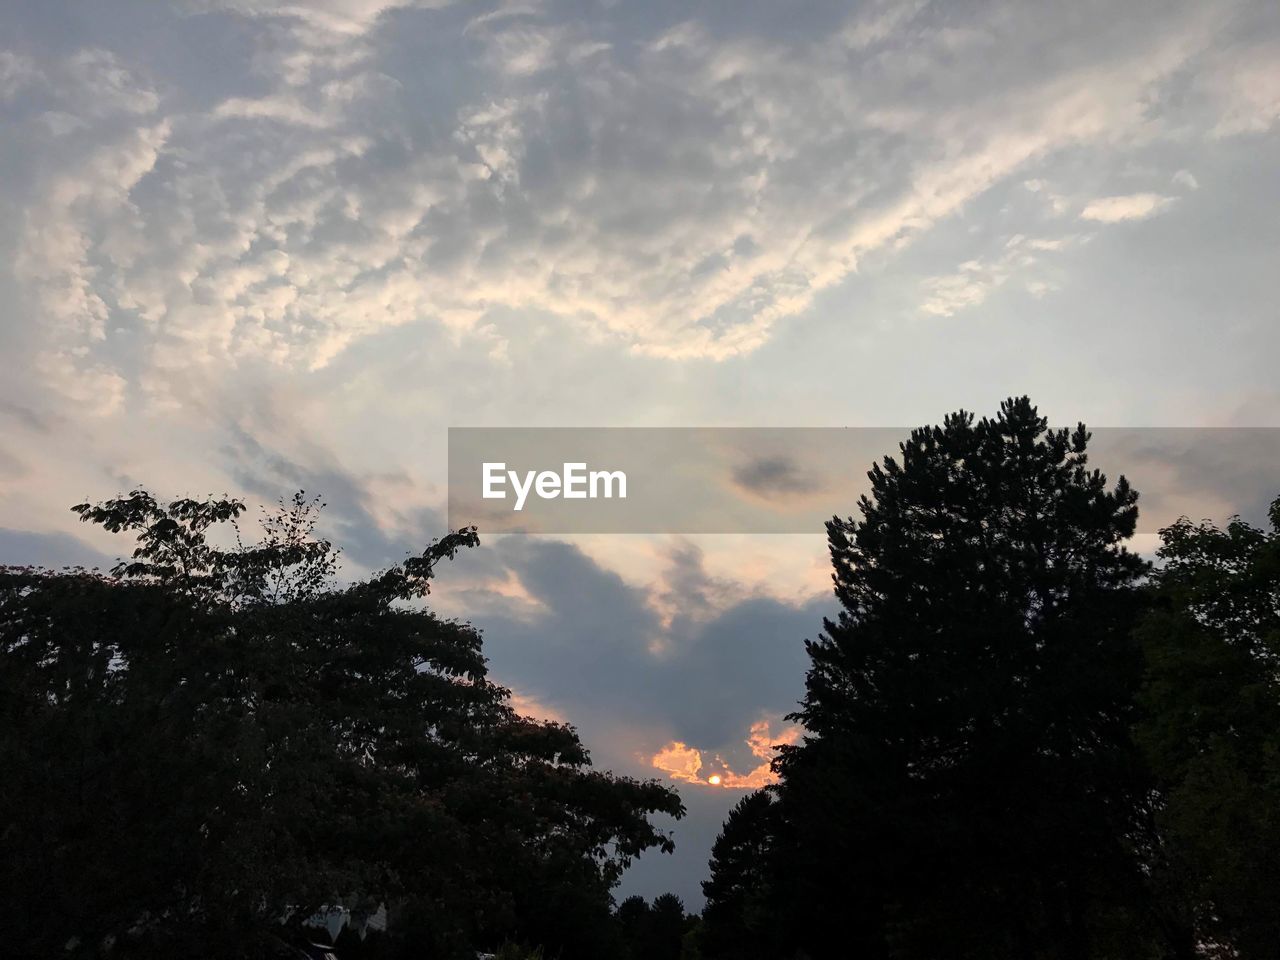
x=255 y=245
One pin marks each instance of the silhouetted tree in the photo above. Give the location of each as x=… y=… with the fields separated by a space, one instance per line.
x=967 y=786
x=205 y=746
x=667 y=926
x=736 y=919
x=1212 y=732
x=632 y=917
x=654 y=931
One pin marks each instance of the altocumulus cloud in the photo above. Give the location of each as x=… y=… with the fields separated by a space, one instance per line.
x=1135 y=206
x=680 y=181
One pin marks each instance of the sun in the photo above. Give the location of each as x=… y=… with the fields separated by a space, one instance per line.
x=714 y=779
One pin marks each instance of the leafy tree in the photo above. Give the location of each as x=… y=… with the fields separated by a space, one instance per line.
x=1212 y=731
x=967 y=786
x=211 y=742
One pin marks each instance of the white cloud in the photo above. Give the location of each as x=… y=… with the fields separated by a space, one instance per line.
x=975 y=280
x=680 y=192
x=346 y=18
x=281 y=108
x=1245 y=84
x=108 y=87
x=1133 y=206
x=16 y=72
x=967 y=287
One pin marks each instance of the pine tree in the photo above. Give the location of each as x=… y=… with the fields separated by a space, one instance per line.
x=736 y=920
x=967 y=785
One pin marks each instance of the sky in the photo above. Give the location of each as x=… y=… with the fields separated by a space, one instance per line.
x=250 y=246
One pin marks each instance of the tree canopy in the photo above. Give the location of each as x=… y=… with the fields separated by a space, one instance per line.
x=969 y=783
x=1211 y=730
x=737 y=921
x=1020 y=740
x=216 y=739
x=962 y=788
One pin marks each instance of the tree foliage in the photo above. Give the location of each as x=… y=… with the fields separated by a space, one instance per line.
x=1212 y=730
x=967 y=785
x=655 y=931
x=214 y=740
x=737 y=920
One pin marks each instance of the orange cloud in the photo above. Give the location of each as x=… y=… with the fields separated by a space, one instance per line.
x=763 y=744
x=528 y=706
x=679 y=761
x=682 y=762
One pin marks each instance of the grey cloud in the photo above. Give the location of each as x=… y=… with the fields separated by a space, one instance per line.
x=690 y=591
x=30 y=418
x=1205 y=473
x=599 y=648
x=774 y=477
x=52 y=550
x=348 y=516
x=586 y=651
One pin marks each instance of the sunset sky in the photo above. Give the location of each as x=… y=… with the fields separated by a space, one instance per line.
x=251 y=246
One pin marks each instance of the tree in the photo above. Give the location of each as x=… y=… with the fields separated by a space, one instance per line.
x=208 y=744
x=1211 y=731
x=633 y=916
x=668 y=925
x=967 y=785
x=654 y=931
x=736 y=920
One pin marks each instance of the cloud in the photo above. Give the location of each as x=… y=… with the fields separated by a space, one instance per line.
x=688 y=594
x=529 y=707
x=1133 y=206
x=30 y=419
x=1058 y=203
x=373 y=518
x=16 y=72
x=319 y=23
x=773 y=476
x=1245 y=88
x=694 y=661
x=686 y=764
x=51 y=550
x=288 y=245
x=967 y=287
x=975 y=280
x=679 y=761
x=283 y=109
x=680 y=187
x=684 y=671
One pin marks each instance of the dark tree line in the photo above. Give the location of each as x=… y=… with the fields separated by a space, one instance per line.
x=204 y=747
x=656 y=931
x=1021 y=740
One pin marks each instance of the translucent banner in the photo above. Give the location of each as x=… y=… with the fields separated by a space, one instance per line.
x=790 y=480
